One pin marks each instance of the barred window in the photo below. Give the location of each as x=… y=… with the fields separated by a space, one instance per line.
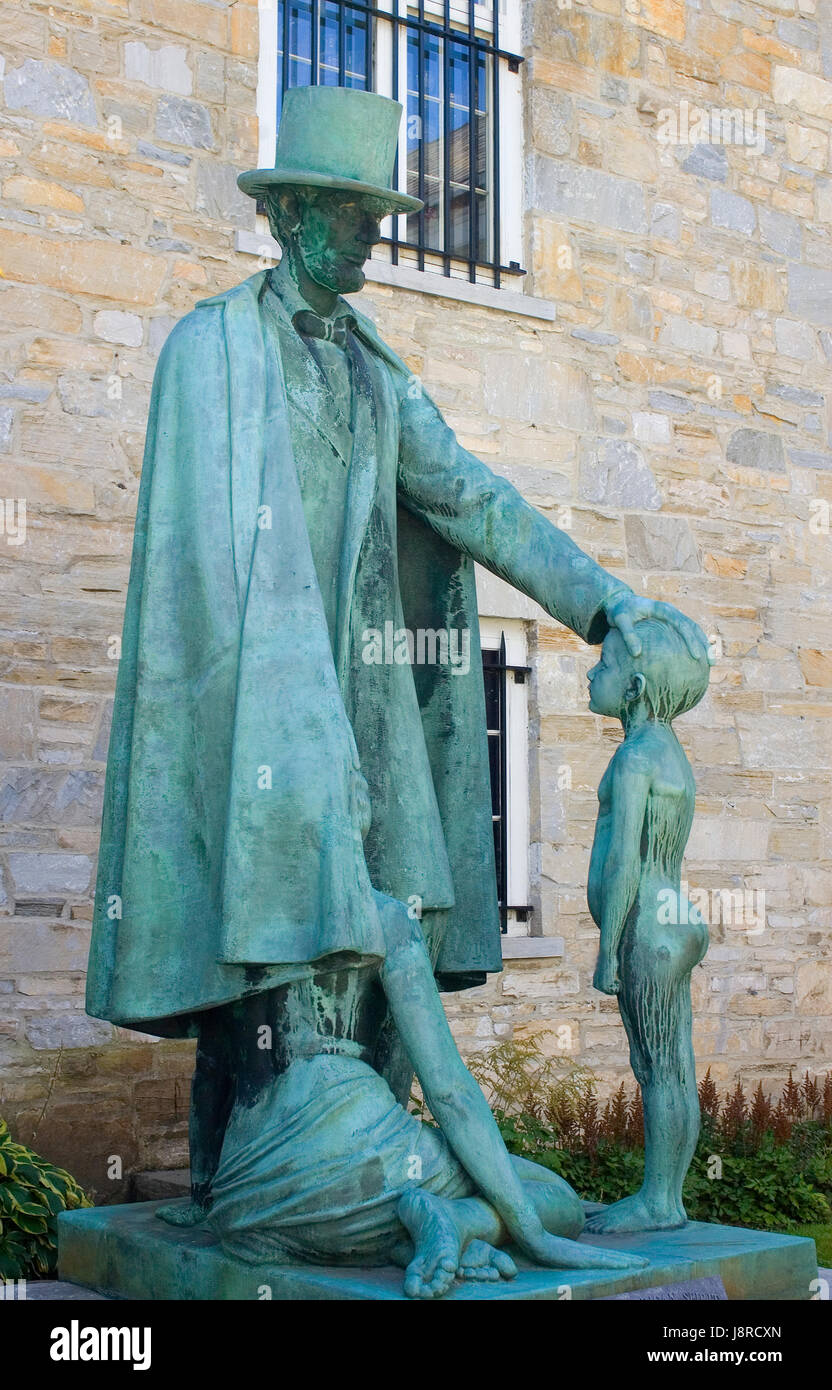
x=459 y=146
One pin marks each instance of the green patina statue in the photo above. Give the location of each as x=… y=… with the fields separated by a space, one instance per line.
x=651 y=936
x=297 y=841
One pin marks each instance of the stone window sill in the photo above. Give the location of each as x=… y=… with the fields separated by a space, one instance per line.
x=532 y=947
x=421 y=281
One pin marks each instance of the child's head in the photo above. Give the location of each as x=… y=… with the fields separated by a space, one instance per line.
x=664 y=676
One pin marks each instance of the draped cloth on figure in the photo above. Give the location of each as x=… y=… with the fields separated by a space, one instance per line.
x=316 y=1167
x=233 y=852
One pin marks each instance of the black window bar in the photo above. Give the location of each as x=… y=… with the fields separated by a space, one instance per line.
x=495 y=671
x=451 y=98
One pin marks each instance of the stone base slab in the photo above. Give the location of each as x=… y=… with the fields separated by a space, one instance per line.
x=126 y=1252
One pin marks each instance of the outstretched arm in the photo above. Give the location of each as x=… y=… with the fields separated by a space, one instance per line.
x=622 y=865
x=483 y=515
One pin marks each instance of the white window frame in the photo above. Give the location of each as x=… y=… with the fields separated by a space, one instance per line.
x=517 y=762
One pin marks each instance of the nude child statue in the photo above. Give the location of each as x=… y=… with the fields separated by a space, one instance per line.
x=651 y=936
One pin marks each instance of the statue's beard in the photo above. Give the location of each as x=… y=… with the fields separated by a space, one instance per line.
x=333 y=271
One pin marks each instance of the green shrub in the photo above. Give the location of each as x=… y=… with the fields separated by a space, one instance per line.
x=772 y=1189
x=775 y=1158
x=768 y=1189
x=32 y=1193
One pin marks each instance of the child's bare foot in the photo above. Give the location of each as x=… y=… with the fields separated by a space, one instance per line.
x=437 y=1243
x=183 y=1213
x=636 y=1213
x=482 y=1262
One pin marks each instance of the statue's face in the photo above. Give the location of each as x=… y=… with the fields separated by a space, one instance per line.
x=337 y=233
x=665 y=674
x=611 y=679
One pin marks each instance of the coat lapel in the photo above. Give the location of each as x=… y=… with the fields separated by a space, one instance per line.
x=319 y=409
x=318 y=406
x=361 y=488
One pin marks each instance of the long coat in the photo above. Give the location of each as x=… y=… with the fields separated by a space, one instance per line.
x=232 y=849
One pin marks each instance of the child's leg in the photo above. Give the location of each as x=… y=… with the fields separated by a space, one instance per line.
x=655 y=1008
x=688 y=1093
x=658 y=1064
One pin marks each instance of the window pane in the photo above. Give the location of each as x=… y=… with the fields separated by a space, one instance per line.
x=491 y=681
x=300 y=72
x=498 y=859
x=328 y=41
x=344 y=51
x=356 y=48
x=300 y=27
x=459 y=65
x=433 y=140
x=494 y=741
x=468 y=221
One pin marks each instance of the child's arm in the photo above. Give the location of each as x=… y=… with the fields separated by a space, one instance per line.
x=622 y=867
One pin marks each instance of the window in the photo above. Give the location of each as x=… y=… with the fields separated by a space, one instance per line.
x=324 y=42
x=506 y=710
x=459 y=149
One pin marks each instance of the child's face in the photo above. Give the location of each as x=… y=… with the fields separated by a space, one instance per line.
x=609 y=680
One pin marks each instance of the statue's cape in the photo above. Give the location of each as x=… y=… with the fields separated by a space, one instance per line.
x=231 y=849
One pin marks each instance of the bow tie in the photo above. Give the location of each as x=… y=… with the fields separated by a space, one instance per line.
x=311 y=325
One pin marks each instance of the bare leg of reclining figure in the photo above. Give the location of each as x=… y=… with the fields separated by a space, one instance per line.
x=542 y=1217
x=462 y=1238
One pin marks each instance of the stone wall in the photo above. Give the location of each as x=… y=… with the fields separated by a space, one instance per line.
x=674 y=416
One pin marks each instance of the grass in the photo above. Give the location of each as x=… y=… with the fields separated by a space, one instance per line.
x=822 y=1236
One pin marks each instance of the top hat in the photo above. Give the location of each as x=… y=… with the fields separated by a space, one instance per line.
x=335 y=137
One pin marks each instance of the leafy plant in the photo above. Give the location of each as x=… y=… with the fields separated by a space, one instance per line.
x=518 y=1077
x=32 y=1193
x=775 y=1158
x=768 y=1189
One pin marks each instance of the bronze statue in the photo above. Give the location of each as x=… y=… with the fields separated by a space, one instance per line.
x=297 y=841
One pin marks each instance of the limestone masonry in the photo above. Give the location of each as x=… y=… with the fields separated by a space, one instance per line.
x=675 y=415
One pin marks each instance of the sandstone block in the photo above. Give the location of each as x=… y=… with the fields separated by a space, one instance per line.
x=40 y=193
x=660 y=543
x=182 y=122
x=49 y=89
x=811 y=94
x=50 y=873
x=588 y=195
x=165 y=68
x=103 y=268
x=810 y=293
x=614 y=473
x=750 y=448
x=115 y=326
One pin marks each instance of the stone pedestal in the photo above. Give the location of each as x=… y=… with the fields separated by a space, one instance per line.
x=126 y=1252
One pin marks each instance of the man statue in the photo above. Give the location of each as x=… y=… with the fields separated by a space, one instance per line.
x=293 y=827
